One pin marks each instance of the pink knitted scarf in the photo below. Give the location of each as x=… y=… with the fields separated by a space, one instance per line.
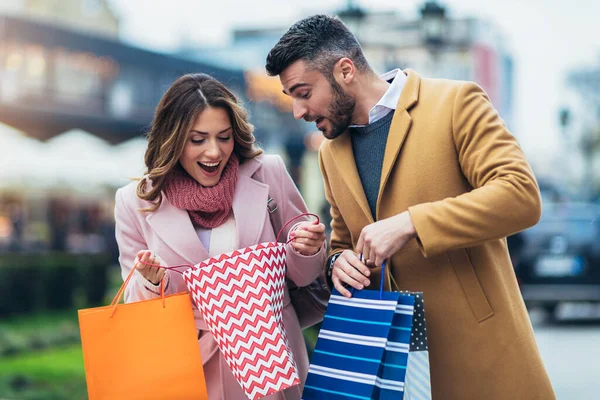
x=208 y=207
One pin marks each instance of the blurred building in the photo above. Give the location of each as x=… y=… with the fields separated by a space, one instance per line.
x=64 y=74
x=438 y=46
x=53 y=79
x=90 y=16
x=434 y=44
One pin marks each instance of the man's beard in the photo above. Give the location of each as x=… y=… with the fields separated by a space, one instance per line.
x=341 y=110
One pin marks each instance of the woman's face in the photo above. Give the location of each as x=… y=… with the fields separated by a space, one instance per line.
x=208 y=146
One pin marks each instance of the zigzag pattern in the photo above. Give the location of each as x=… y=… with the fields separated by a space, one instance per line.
x=254 y=269
x=265 y=248
x=253 y=340
x=253 y=264
x=240 y=295
x=237 y=302
x=275 y=381
x=234 y=290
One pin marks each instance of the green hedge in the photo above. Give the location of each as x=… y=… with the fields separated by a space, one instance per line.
x=51 y=281
x=53 y=374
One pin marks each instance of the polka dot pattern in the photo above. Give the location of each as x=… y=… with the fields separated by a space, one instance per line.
x=418 y=336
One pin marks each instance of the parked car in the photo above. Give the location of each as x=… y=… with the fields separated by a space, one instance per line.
x=559 y=258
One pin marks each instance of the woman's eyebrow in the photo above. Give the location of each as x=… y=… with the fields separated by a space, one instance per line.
x=206 y=133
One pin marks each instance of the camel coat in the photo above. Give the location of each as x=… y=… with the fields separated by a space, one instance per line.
x=451 y=162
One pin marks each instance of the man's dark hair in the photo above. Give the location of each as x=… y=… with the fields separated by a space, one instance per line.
x=320 y=41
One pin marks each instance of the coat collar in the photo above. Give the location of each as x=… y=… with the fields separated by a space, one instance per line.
x=250 y=204
x=175 y=228
x=399 y=129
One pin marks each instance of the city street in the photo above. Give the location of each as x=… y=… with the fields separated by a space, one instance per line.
x=570 y=351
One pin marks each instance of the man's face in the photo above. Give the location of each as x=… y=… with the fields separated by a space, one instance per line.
x=315 y=99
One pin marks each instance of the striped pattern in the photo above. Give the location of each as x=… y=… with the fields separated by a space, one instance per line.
x=395 y=358
x=240 y=296
x=365 y=349
x=417 y=384
x=362 y=348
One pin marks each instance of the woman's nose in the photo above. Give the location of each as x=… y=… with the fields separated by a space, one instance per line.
x=213 y=149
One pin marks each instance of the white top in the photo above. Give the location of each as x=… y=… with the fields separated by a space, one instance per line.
x=221 y=239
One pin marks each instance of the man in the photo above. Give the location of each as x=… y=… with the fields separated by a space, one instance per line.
x=424 y=174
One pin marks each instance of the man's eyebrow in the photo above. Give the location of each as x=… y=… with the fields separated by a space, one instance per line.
x=296 y=86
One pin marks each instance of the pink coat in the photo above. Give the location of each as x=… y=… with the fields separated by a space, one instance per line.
x=170 y=234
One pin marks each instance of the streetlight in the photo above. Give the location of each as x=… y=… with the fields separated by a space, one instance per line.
x=434 y=21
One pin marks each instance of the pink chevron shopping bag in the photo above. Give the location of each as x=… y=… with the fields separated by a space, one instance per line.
x=240 y=296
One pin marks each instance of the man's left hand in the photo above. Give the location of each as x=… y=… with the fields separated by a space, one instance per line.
x=382 y=239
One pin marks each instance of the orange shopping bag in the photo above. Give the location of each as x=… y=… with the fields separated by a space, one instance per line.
x=144 y=350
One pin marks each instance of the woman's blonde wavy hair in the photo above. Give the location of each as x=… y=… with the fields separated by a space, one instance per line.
x=175 y=116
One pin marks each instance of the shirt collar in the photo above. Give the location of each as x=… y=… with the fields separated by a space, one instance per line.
x=389 y=100
x=391 y=96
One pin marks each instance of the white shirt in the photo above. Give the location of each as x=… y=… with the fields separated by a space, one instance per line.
x=389 y=101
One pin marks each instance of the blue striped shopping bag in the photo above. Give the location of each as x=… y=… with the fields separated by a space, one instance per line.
x=363 y=350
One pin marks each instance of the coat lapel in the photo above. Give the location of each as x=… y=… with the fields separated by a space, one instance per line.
x=175 y=228
x=399 y=129
x=249 y=204
x=344 y=159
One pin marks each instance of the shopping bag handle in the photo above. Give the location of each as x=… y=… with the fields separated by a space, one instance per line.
x=392 y=280
x=381 y=280
x=172 y=268
x=292 y=220
x=121 y=290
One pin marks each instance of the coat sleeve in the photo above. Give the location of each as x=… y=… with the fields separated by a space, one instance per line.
x=340 y=234
x=130 y=241
x=301 y=269
x=505 y=197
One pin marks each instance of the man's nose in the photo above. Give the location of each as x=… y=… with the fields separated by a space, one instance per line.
x=298 y=109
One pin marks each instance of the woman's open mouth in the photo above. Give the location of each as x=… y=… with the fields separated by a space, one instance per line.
x=209 y=168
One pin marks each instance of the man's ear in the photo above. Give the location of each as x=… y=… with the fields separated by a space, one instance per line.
x=344 y=70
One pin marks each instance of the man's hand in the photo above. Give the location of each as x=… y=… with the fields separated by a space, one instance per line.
x=382 y=239
x=349 y=270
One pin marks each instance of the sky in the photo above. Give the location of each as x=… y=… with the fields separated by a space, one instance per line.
x=548 y=38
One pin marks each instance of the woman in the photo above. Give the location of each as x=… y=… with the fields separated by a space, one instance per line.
x=206 y=192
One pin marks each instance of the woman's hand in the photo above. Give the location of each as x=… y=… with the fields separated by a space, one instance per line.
x=308 y=238
x=151 y=273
